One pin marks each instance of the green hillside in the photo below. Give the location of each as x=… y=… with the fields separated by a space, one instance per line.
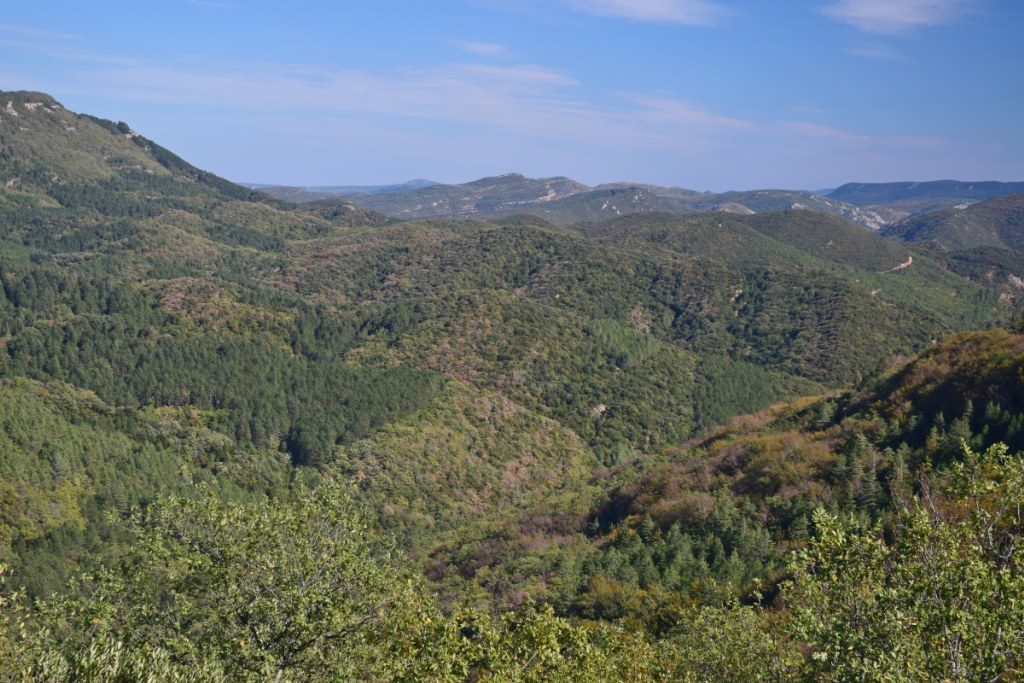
x=69 y=458
x=874 y=272
x=912 y=198
x=244 y=439
x=1000 y=268
x=761 y=201
x=509 y=193
x=562 y=200
x=601 y=203
x=305 y=328
x=326 y=192
x=726 y=507
x=997 y=222
x=643 y=561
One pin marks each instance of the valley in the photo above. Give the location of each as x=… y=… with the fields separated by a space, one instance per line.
x=513 y=416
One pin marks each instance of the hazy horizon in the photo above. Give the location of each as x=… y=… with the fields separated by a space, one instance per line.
x=707 y=95
x=626 y=181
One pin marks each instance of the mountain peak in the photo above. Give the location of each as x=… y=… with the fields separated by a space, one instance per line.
x=23 y=103
x=913 y=197
x=29 y=97
x=503 y=178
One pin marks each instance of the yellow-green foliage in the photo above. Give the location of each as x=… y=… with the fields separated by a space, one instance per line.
x=69 y=459
x=466 y=456
x=524 y=406
x=70 y=147
x=60 y=449
x=943 y=601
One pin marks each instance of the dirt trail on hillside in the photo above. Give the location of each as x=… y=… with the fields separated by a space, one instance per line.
x=906 y=264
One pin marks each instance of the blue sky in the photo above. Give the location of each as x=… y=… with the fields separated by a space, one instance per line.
x=707 y=94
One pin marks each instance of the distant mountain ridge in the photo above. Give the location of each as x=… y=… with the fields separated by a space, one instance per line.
x=761 y=201
x=996 y=222
x=564 y=200
x=507 y=193
x=163 y=330
x=313 y=193
x=866 y=194
x=909 y=198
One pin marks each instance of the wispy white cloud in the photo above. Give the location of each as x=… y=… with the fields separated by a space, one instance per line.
x=481 y=115
x=681 y=114
x=686 y=12
x=30 y=32
x=528 y=102
x=845 y=138
x=54 y=44
x=896 y=16
x=524 y=100
x=530 y=75
x=482 y=49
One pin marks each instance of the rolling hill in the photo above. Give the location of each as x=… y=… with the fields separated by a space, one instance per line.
x=792 y=293
x=443 y=365
x=565 y=201
x=595 y=437
x=855 y=451
x=509 y=193
x=600 y=203
x=996 y=222
x=907 y=198
x=762 y=201
x=313 y=193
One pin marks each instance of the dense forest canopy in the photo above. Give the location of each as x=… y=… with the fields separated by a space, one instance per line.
x=246 y=439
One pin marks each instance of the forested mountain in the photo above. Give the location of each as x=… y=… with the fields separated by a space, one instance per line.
x=997 y=223
x=890 y=502
x=509 y=193
x=244 y=438
x=607 y=202
x=321 y=192
x=562 y=200
x=762 y=201
x=870 y=205
x=903 y=199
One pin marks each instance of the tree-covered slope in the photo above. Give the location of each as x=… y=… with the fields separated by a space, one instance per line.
x=762 y=201
x=913 y=197
x=510 y=399
x=603 y=202
x=69 y=459
x=725 y=509
x=997 y=222
x=510 y=193
x=793 y=236
x=606 y=316
x=75 y=183
x=991 y=266
x=566 y=201
x=807 y=260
